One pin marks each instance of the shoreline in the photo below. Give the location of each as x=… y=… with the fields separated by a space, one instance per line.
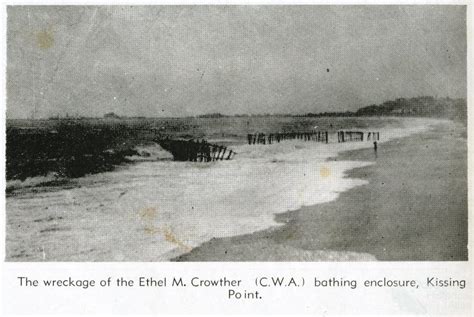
x=285 y=177
x=414 y=208
x=53 y=181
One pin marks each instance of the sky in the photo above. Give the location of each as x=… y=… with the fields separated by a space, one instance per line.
x=162 y=61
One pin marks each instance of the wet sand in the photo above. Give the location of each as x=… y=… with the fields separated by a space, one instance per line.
x=413 y=209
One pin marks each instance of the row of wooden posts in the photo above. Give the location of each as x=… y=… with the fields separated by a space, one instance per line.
x=262 y=138
x=319 y=136
x=347 y=136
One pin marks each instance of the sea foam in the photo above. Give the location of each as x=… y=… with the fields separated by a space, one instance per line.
x=149 y=210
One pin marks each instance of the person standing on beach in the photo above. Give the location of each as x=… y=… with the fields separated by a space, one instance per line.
x=375 y=146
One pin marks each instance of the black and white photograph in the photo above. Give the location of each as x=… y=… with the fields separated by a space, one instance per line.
x=236 y=133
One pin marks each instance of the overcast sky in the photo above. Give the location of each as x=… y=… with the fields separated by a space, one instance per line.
x=188 y=60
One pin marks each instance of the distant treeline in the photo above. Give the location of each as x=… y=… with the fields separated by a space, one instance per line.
x=244 y=115
x=425 y=106
x=328 y=114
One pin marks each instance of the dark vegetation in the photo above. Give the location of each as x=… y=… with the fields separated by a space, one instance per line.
x=211 y=115
x=426 y=106
x=330 y=114
x=421 y=106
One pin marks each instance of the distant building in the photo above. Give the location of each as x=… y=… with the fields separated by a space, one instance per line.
x=111 y=115
x=211 y=115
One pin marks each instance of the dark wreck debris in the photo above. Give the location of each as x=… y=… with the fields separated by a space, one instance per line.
x=262 y=138
x=195 y=150
x=67 y=149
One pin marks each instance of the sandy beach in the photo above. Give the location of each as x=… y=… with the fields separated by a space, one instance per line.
x=414 y=208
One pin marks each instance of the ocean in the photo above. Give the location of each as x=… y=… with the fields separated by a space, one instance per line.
x=155 y=209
